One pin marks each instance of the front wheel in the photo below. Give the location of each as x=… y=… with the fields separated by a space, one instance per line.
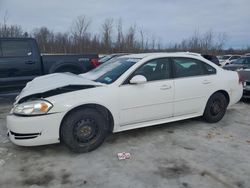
x=84 y=130
x=215 y=108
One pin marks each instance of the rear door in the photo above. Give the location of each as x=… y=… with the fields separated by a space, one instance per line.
x=193 y=84
x=17 y=64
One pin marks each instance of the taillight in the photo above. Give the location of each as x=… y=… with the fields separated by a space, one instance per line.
x=241 y=79
x=94 y=62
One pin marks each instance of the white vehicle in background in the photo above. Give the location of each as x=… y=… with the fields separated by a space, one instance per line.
x=227 y=59
x=133 y=91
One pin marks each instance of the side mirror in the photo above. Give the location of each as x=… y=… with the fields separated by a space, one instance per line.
x=138 y=79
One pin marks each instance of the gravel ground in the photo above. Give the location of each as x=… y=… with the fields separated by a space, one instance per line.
x=184 y=154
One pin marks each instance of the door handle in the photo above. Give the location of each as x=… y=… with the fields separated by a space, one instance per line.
x=165 y=87
x=29 y=62
x=206 y=82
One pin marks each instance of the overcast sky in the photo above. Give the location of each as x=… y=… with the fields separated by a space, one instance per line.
x=167 y=20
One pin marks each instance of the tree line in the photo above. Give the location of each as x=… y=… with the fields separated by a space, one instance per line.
x=113 y=38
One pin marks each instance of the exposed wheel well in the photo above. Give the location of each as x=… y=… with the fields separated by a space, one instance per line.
x=103 y=110
x=225 y=93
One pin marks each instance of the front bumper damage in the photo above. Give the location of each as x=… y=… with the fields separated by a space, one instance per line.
x=34 y=130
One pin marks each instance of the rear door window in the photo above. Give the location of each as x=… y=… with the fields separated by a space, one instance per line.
x=187 y=67
x=15 y=48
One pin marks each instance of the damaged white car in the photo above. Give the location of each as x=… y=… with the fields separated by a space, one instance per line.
x=129 y=92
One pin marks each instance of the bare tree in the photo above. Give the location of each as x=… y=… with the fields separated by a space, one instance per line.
x=159 y=44
x=80 y=27
x=120 y=37
x=95 y=44
x=153 y=42
x=79 y=31
x=130 y=39
x=203 y=43
x=107 y=28
x=221 y=40
x=80 y=40
x=45 y=38
x=10 y=30
x=142 y=39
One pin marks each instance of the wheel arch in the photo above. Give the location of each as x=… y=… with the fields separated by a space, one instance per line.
x=100 y=108
x=224 y=92
x=66 y=65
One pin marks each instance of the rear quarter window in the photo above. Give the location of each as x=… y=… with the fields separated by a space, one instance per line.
x=209 y=69
x=15 y=48
x=188 y=67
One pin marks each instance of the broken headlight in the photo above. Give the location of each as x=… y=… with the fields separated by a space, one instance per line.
x=37 y=107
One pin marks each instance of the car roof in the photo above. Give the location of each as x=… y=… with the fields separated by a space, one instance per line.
x=146 y=55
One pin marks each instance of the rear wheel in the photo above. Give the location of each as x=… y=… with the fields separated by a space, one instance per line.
x=84 y=130
x=215 y=108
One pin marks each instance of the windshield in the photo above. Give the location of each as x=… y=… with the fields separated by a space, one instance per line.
x=110 y=71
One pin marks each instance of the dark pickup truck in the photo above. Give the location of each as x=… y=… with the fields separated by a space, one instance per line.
x=21 y=61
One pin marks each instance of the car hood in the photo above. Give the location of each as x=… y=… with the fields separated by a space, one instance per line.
x=54 y=81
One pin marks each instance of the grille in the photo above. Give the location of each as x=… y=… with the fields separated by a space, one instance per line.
x=21 y=136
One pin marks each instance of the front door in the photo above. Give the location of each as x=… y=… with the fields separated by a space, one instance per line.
x=149 y=101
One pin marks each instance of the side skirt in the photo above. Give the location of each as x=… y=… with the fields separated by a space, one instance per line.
x=155 y=122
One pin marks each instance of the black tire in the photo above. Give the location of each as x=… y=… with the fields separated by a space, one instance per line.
x=216 y=108
x=84 y=130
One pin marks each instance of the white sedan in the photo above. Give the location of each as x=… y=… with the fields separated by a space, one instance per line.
x=129 y=92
